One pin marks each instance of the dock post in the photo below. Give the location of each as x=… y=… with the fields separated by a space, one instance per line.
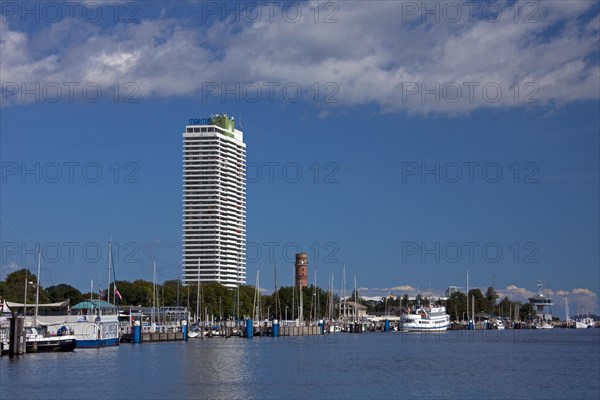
x=137 y=332
x=12 y=337
x=321 y=327
x=386 y=325
x=249 y=329
x=470 y=325
x=275 y=328
x=184 y=329
x=22 y=336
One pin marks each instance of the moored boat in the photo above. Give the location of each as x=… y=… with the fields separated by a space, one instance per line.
x=540 y=324
x=37 y=340
x=499 y=324
x=425 y=319
x=95 y=323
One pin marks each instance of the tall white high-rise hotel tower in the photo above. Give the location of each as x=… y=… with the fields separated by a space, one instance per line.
x=214 y=202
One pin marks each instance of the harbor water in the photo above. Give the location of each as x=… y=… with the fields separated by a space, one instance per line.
x=509 y=364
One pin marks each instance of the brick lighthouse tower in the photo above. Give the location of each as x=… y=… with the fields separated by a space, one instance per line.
x=301 y=270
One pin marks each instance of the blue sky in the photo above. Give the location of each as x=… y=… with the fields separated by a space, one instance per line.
x=408 y=165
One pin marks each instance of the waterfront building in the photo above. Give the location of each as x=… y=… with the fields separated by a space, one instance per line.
x=353 y=310
x=542 y=304
x=214 y=202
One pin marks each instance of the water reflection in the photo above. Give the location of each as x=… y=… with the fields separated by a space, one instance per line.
x=342 y=366
x=219 y=368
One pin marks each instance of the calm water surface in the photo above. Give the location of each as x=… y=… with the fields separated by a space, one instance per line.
x=546 y=364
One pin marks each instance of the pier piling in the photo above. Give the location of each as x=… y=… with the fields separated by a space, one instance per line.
x=249 y=331
x=275 y=328
x=137 y=332
x=184 y=329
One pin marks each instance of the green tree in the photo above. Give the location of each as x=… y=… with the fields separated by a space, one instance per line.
x=505 y=306
x=13 y=288
x=456 y=305
x=527 y=312
x=490 y=300
x=480 y=302
x=62 y=292
x=405 y=300
x=137 y=293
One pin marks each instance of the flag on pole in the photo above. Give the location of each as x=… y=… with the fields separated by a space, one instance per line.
x=118 y=294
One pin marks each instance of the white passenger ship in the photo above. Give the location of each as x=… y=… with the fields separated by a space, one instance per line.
x=425 y=319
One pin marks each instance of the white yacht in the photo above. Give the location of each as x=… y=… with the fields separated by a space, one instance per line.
x=425 y=319
x=576 y=324
x=499 y=324
x=540 y=324
x=583 y=323
x=38 y=340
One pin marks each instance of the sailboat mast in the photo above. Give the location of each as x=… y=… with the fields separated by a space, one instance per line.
x=108 y=281
x=275 y=293
x=314 y=300
x=256 y=301
x=293 y=294
x=343 y=294
x=153 y=288
x=301 y=311
x=25 y=297
x=37 y=292
x=198 y=294
x=178 y=293
x=355 y=301
x=468 y=319
x=237 y=308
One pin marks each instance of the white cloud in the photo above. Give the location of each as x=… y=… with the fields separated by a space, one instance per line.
x=369 y=62
x=584 y=292
x=582 y=298
x=516 y=293
x=403 y=289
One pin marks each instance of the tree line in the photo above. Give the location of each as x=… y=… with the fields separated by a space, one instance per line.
x=221 y=302
x=215 y=299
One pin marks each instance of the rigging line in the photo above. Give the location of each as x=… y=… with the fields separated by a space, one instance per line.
x=5 y=222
